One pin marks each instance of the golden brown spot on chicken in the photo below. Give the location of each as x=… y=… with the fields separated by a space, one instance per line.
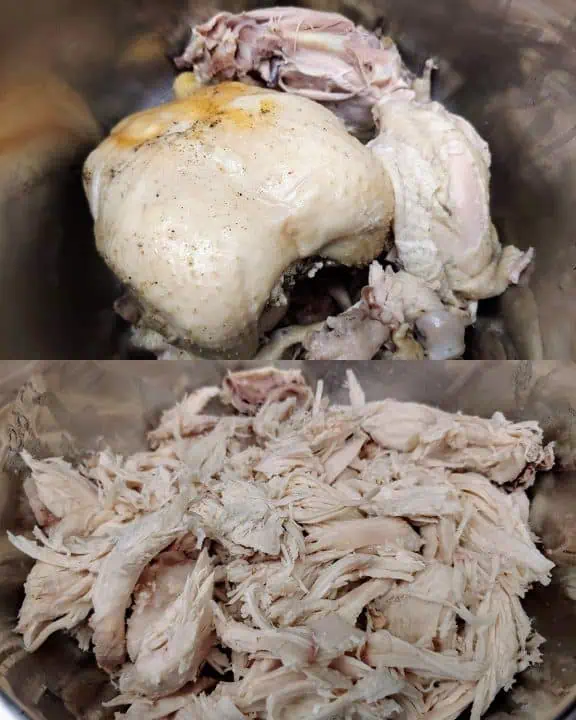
x=185 y=85
x=266 y=106
x=204 y=108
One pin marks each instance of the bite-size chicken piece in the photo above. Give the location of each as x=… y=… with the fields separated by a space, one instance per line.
x=57 y=598
x=119 y=573
x=158 y=587
x=55 y=489
x=200 y=209
x=423 y=612
x=248 y=390
x=173 y=648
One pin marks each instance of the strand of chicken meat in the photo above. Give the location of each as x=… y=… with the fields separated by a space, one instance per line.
x=289 y=559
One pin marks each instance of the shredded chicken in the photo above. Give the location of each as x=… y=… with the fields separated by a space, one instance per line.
x=295 y=559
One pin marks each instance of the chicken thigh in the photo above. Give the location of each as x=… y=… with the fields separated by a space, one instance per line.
x=201 y=205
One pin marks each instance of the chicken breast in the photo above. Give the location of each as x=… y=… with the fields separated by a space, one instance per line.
x=200 y=209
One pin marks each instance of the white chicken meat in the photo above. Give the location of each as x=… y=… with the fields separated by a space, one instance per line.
x=201 y=206
x=305 y=560
x=440 y=169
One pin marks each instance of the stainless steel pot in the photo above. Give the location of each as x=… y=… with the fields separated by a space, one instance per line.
x=507 y=65
x=67 y=406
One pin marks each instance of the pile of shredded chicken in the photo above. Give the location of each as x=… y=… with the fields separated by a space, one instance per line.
x=292 y=559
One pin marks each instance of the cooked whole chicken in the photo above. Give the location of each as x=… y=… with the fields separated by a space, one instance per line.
x=290 y=559
x=438 y=164
x=208 y=207
x=202 y=205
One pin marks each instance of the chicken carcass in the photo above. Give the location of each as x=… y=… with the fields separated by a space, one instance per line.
x=392 y=304
x=203 y=204
x=438 y=164
x=306 y=560
x=318 y=55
